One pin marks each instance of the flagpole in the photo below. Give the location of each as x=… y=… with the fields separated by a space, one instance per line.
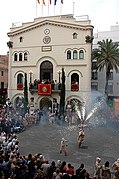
x=41 y=10
x=48 y=6
x=60 y=8
x=36 y=8
x=73 y=8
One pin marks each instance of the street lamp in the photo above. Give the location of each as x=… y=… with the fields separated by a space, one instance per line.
x=59 y=73
x=30 y=73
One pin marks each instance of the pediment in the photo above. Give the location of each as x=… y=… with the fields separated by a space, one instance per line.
x=25 y=27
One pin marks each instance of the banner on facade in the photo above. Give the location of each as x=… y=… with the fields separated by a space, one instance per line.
x=44 y=89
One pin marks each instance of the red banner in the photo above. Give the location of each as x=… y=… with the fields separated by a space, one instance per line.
x=19 y=86
x=44 y=89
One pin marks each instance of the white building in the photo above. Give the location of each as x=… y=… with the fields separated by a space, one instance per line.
x=41 y=49
x=98 y=78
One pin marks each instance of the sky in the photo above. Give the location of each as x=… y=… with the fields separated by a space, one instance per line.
x=102 y=13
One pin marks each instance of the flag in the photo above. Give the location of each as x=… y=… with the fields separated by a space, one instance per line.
x=55 y=1
x=44 y=89
x=62 y=1
x=50 y=1
x=44 y=2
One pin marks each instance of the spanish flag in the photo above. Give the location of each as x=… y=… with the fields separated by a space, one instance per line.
x=43 y=2
x=44 y=89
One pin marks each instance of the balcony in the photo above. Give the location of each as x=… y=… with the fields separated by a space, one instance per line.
x=74 y=87
x=55 y=88
x=20 y=86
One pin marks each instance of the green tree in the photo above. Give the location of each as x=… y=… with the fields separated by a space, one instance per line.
x=25 y=94
x=62 y=94
x=107 y=56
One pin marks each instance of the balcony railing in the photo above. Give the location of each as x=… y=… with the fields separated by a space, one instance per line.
x=20 y=86
x=74 y=87
x=54 y=87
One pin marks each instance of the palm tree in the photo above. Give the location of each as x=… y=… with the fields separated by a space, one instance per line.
x=107 y=56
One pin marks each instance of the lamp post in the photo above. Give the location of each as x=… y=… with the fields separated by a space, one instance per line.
x=59 y=73
x=30 y=73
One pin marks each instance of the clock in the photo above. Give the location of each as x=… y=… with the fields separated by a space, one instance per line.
x=46 y=39
x=46 y=31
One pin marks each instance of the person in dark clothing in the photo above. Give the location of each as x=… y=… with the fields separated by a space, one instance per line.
x=80 y=171
x=51 y=170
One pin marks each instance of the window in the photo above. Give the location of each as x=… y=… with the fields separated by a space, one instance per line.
x=21 y=39
x=74 y=54
x=110 y=87
x=15 y=57
x=81 y=54
x=19 y=78
x=94 y=86
x=25 y=56
x=1 y=73
x=74 y=35
x=94 y=75
x=20 y=81
x=111 y=76
x=2 y=85
x=68 y=54
x=20 y=56
x=94 y=65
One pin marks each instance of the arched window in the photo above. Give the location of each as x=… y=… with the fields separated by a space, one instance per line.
x=25 y=56
x=68 y=54
x=21 y=39
x=74 y=82
x=74 y=35
x=75 y=54
x=20 y=81
x=81 y=54
x=15 y=57
x=20 y=56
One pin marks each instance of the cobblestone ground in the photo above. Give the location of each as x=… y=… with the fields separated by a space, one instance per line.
x=45 y=138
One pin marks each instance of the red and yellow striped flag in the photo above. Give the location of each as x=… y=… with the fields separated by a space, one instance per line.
x=43 y=2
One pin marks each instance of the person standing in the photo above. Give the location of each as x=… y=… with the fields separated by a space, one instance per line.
x=106 y=173
x=80 y=137
x=63 y=146
x=97 y=169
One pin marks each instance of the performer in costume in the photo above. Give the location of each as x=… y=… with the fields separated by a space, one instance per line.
x=80 y=137
x=63 y=146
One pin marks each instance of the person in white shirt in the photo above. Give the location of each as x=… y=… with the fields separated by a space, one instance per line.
x=63 y=146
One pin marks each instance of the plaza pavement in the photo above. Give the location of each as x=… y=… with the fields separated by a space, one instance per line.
x=45 y=138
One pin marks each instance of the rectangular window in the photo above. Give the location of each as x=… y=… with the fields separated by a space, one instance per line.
x=94 y=75
x=1 y=73
x=2 y=85
x=94 y=65
x=111 y=76
x=110 y=88
x=94 y=86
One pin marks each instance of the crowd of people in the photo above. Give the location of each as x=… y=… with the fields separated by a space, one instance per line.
x=13 y=165
x=54 y=84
